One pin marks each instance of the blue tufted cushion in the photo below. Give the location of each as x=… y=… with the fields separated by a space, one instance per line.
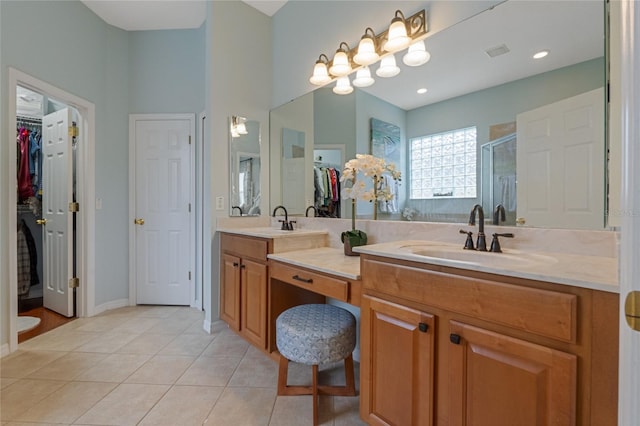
x=315 y=334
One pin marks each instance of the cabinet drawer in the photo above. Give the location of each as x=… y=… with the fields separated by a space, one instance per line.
x=543 y=312
x=244 y=246
x=322 y=284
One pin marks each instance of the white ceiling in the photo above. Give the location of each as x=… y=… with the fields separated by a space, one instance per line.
x=140 y=15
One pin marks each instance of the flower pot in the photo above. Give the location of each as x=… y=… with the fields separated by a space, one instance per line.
x=351 y=239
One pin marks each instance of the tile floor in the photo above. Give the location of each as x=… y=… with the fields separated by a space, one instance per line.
x=152 y=365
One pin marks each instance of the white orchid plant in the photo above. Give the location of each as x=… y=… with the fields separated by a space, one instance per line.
x=371 y=167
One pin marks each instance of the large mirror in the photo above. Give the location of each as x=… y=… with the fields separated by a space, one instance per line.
x=244 y=167
x=539 y=124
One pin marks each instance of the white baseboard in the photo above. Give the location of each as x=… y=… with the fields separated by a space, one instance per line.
x=207 y=326
x=4 y=350
x=115 y=304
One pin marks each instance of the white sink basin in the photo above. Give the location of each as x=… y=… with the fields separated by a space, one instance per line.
x=508 y=257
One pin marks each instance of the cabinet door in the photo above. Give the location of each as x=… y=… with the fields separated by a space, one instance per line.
x=396 y=364
x=500 y=380
x=230 y=291
x=253 y=280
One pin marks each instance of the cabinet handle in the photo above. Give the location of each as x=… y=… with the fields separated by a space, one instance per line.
x=304 y=280
x=243 y=266
x=235 y=264
x=455 y=338
x=423 y=327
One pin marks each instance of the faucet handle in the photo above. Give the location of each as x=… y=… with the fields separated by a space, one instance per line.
x=290 y=226
x=285 y=225
x=495 y=244
x=468 y=244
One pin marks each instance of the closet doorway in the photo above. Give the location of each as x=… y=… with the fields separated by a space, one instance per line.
x=54 y=174
x=46 y=140
x=328 y=159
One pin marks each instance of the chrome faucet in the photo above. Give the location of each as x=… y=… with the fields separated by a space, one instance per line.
x=286 y=225
x=315 y=211
x=236 y=207
x=499 y=214
x=481 y=244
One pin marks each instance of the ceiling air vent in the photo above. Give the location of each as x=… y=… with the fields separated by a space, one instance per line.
x=497 y=50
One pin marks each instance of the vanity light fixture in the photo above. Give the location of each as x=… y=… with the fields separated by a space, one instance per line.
x=388 y=67
x=367 y=52
x=320 y=72
x=416 y=55
x=402 y=33
x=343 y=86
x=341 y=65
x=397 y=38
x=541 y=54
x=238 y=127
x=363 y=78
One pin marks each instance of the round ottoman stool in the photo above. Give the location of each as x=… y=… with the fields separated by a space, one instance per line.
x=316 y=334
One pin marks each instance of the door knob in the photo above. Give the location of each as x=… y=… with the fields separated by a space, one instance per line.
x=41 y=221
x=138 y=221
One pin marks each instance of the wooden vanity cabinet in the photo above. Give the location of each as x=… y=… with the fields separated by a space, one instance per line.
x=498 y=350
x=397 y=349
x=243 y=286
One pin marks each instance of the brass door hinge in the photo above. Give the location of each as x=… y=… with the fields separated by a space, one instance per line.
x=632 y=310
x=74 y=207
x=74 y=282
x=73 y=131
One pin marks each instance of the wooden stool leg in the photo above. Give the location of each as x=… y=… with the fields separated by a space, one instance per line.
x=283 y=371
x=315 y=394
x=349 y=376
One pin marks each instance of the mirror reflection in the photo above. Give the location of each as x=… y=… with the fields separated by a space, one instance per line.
x=244 y=167
x=482 y=75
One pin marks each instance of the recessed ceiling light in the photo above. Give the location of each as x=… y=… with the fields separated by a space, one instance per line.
x=541 y=54
x=422 y=90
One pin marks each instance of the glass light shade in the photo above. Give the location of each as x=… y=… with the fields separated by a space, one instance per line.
x=320 y=74
x=363 y=78
x=397 y=38
x=241 y=129
x=416 y=55
x=388 y=67
x=341 y=65
x=343 y=86
x=367 y=54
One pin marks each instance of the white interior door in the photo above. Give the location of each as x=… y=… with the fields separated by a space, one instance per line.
x=163 y=201
x=561 y=163
x=57 y=192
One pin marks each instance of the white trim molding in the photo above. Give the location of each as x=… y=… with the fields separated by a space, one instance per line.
x=629 y=367
x=85 y=194
x=115 y=304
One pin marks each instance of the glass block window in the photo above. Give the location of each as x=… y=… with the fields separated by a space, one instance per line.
x=443 y=165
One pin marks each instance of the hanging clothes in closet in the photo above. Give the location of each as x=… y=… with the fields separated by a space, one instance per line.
x=27 y=260
x=29 y=165
x=327 y=191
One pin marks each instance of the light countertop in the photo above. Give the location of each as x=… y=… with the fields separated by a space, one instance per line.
x=269 y=232
x=597 y=273
x=323 y=259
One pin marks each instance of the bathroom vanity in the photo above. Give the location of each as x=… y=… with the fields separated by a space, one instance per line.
x=448 y=336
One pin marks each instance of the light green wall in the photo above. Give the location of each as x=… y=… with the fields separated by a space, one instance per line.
x=166 y=71
x=238 y=82
x=65 y=44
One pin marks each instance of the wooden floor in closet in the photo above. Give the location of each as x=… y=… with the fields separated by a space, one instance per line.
x=48 y=321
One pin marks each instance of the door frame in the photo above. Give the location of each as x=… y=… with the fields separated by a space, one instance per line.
x=194 y=248
x=85 y=193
